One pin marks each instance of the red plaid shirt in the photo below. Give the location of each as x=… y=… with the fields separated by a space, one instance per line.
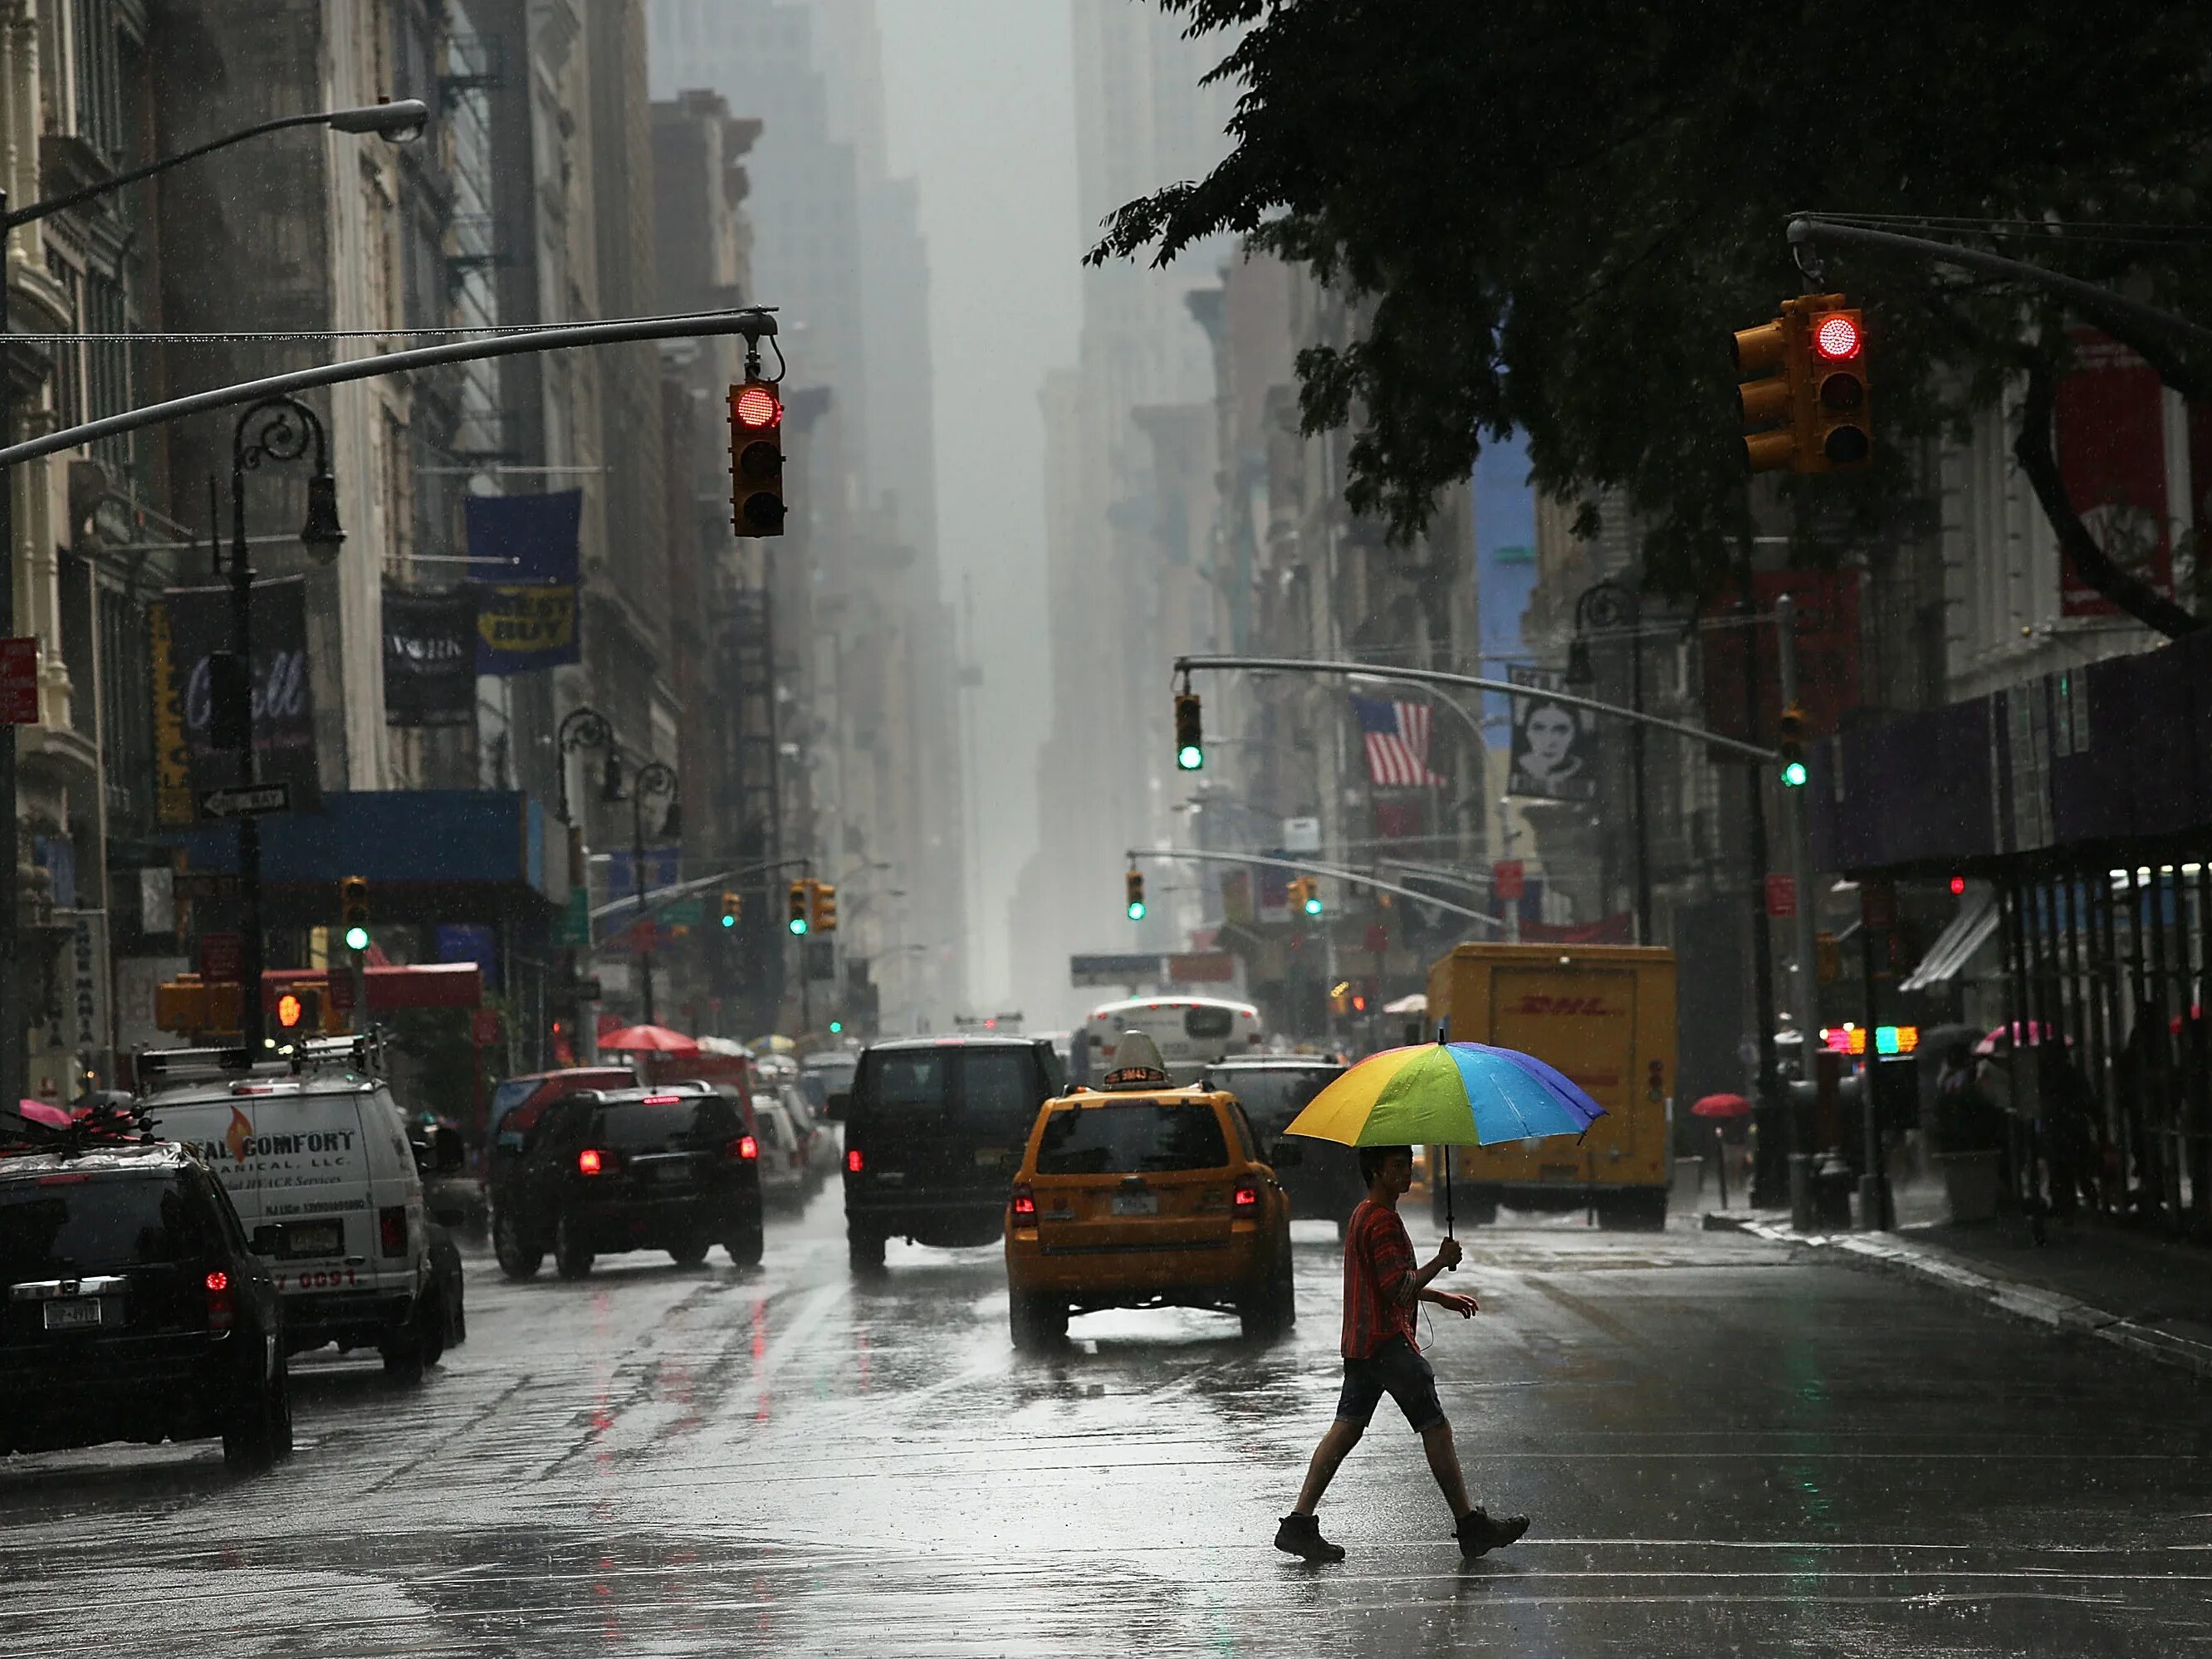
x=1378 y=1256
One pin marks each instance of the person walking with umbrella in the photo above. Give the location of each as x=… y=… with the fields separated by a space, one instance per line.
x=1441 y=1094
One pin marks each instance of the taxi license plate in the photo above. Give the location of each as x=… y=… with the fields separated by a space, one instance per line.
x=1136 y=1204
x=76 y=1313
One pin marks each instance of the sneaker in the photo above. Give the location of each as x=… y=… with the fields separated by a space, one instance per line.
x=1300 y=1535
x=1479 y=1533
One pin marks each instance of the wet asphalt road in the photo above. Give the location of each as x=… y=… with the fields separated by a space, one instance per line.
x=1726 y=1448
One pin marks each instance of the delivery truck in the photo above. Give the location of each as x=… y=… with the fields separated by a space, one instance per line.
x=1603 y=1014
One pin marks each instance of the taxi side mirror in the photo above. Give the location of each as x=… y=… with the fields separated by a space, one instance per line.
x=1286 y=1153
x=835 y=1108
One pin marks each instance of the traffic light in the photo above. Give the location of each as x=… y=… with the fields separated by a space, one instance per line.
x=733 y=906
x=1791 y=731
x=1135 y=883
x=1840 y=431
x=1190 y=733
x=823 y=915
x=1804 y=380
x=300 y=1012
x=756 y=459
x=353 y=911
x=1305 y=895
x=796 y=908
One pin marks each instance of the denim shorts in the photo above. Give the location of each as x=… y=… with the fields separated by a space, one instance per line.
x=1395 y=1368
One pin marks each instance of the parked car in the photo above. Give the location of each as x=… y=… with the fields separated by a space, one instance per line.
x=785 y=1180
x=933 y=1133
x=825 y=1073
x=607 y=1170
x=1145 y=1196
x=317 y=1155
x=1322 y=1177
x=135 y=1308
x=819 y=1134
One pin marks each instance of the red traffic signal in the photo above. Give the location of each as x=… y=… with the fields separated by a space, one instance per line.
x=756 y=506
x=1837 y=337
x=756 y=408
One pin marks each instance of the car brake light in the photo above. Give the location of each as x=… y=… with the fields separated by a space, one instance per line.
x=588 y=1161
x=662 y=1100
x=1024 y=1204
x=744 y=1148
x=1248 y=1195
x=392 y=1228
x=221 y=1311
x=854 y=1161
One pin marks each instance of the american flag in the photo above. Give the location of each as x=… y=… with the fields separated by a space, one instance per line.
x=1397 y=736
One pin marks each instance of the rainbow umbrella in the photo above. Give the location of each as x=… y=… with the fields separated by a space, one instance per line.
x=1447 y=1094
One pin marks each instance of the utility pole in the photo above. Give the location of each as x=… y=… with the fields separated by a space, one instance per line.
x=1770 y=1172
x=1801 y=842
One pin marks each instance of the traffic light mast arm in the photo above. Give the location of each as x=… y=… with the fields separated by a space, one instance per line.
x=1436 y=676
x=659 y=898
x=1358 y=878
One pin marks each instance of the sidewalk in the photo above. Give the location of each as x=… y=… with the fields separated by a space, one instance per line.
x=2150 y=1296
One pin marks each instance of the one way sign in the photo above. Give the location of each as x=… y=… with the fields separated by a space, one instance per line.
x=246 y=801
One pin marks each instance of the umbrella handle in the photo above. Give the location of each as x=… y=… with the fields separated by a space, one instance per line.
x=1448 y=1194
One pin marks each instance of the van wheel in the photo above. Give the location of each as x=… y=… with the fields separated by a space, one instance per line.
x=403 y=1351
x=690 y=1252
x=516 y=1261
x=864 y=1249
x=430 y=1320
x=1481 y=1210
x=572 y=1254
x=1036 y=1321
x=746 y=1247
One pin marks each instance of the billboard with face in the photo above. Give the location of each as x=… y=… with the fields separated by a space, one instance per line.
x=1554 y=744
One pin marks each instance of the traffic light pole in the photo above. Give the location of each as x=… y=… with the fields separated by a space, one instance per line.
x=1800 y=844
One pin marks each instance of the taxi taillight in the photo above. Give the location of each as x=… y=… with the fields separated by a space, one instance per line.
x=1247 y=1198
x=1024 y=1205
x=854 y=1161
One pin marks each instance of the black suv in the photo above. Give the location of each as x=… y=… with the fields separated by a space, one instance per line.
x=135 y=1309
x=604 y=1170
x=1321 y=1178
x=934 y=1131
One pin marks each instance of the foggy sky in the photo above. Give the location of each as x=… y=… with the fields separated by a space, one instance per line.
x=979 y=97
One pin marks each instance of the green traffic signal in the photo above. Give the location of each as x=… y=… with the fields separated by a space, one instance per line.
x=836 y=1026
x=798 y=925
x=356 y=938
x=1793 y=773
x=1136 y=910
x=1313 y=905
x=1190 y=757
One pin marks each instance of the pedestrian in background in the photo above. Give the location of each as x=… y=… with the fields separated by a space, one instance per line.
x=1382 y=1288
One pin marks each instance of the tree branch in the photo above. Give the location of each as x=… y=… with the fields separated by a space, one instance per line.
x=2032 y=448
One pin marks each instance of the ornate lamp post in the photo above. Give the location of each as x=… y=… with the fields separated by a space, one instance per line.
x=276 y=429
x=1611 y=604
x=653 y=778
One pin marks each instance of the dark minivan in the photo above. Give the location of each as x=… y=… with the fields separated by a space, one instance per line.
x=934 y=1131
x=605 y=1170
x=1322 y=1177
x=135 y=1308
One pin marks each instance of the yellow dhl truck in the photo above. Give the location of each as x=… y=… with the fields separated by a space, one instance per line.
x=1603 y=1014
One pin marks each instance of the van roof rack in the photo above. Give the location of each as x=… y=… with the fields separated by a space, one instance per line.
x=362 y=1051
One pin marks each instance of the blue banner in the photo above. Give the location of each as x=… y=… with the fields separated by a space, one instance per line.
x=523 y=554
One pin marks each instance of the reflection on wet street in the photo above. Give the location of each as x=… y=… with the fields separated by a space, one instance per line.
x=1726 y=1447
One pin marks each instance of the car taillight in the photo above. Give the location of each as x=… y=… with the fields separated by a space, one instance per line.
x=1247 y=1197
x=392 y=1229
x=222 y=1312
x=588 y=1161
x=854 y=1161
x=1024 y=1204
x=744 y=1149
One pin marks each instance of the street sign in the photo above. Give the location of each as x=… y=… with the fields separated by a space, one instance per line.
x=576 y=917
x=1302 y=835
x=1781 y=896
x=204 y=885
x=1202 y=967
x=1507 y=879
x=19 y=682
x=223 y=957
x=246 y=801
x=483 y=1027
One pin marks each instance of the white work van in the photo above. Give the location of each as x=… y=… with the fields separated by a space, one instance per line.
x=314 y=1153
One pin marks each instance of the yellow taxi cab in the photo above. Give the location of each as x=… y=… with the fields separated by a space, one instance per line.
x=1142 y=1195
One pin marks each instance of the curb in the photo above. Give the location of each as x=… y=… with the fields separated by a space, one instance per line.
x=2049 y=1309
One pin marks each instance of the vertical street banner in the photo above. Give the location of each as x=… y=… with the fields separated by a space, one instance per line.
x=2108 y=430
x=523 y=563
x=172 y=753
x=1554 y=755
x=196 y=623
x=430 y=656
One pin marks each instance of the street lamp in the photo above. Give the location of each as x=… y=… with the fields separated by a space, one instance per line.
x=398 y=121
x=653 y=778
x=275 y=429
x=1607 y=605
x=581 y=727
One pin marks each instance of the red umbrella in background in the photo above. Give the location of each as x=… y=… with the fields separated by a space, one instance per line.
x=2028 y=1030
x=38 y=1111
x=649 y=1040
x=1721 y=1107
